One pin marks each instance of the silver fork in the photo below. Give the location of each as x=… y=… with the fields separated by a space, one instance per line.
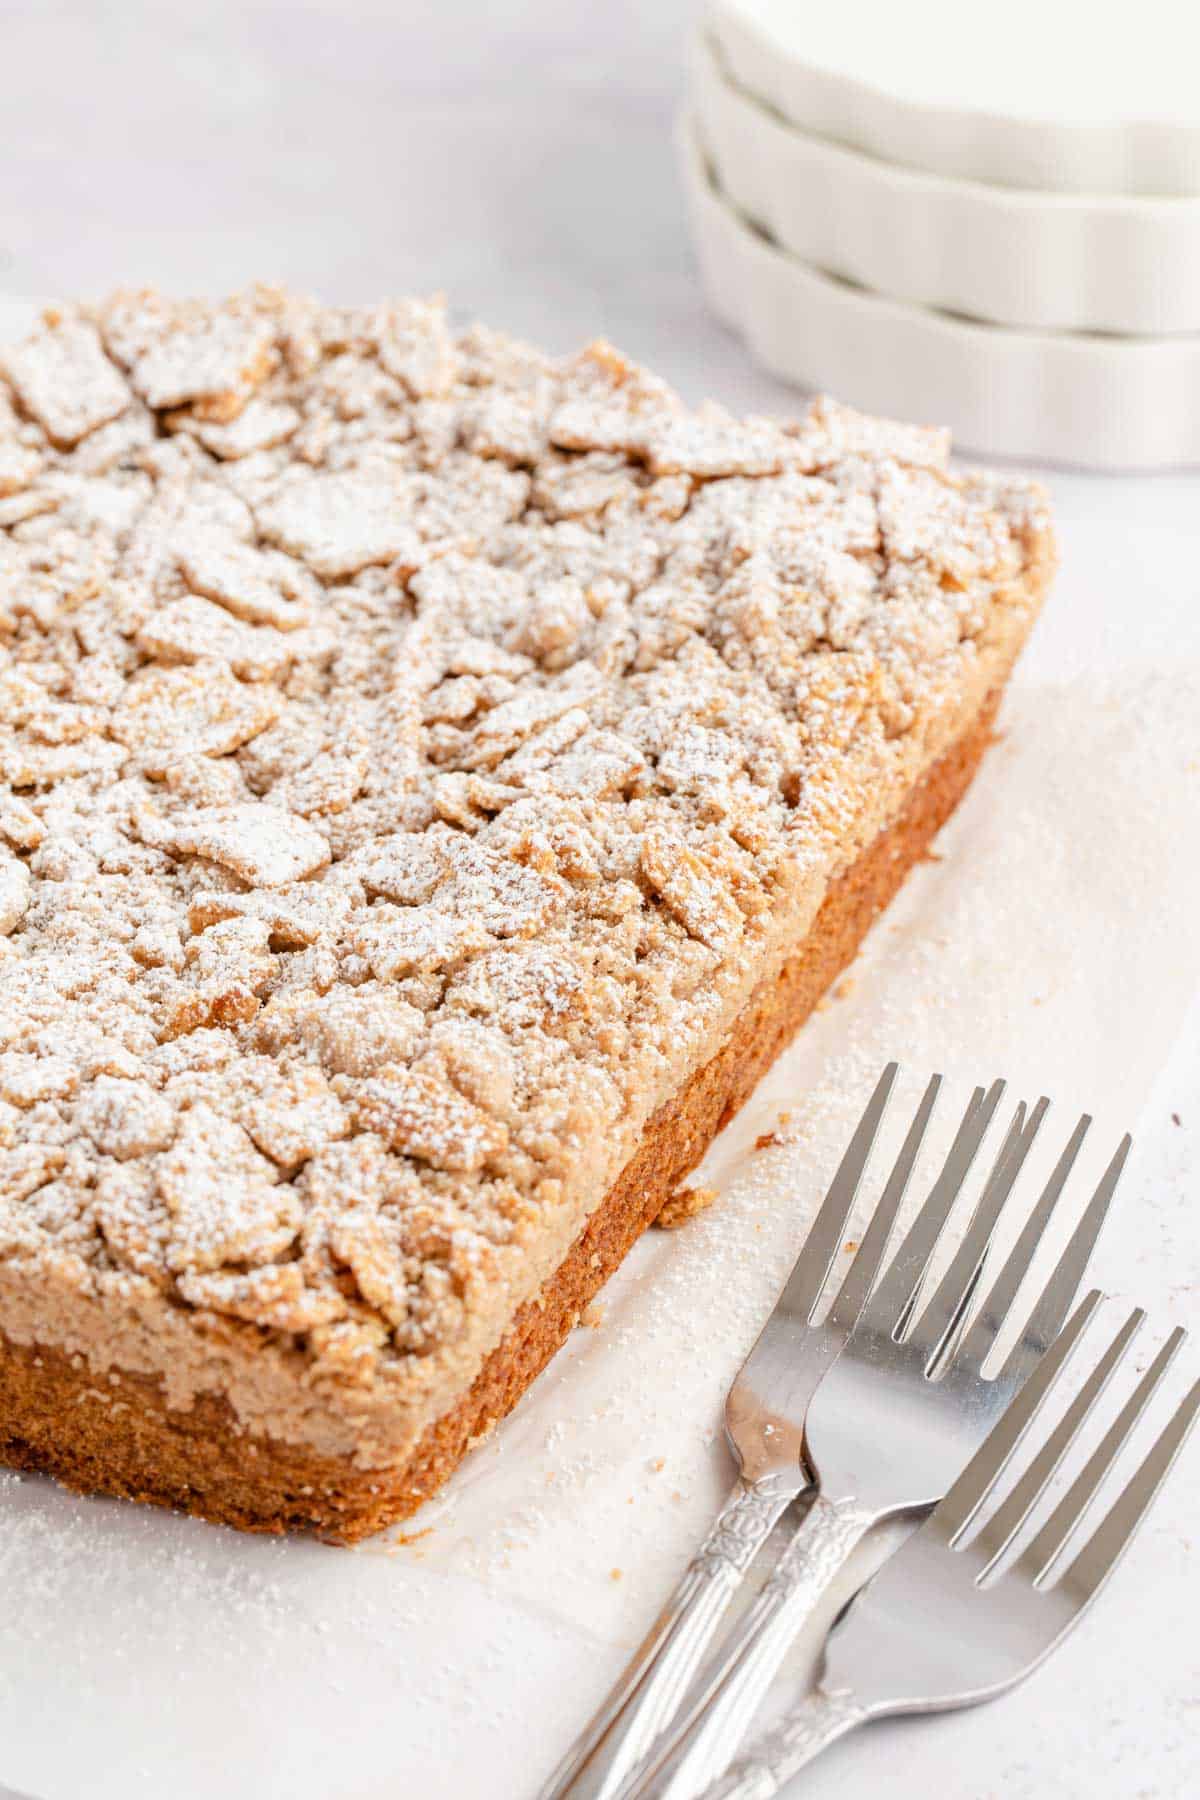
x=896 y=1418
x=934 y=1629
x=764 y=1423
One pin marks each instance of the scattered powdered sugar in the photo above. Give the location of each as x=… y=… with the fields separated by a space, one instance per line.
x=50 y=1559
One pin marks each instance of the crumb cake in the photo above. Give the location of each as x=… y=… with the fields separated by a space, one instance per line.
x=436 y=780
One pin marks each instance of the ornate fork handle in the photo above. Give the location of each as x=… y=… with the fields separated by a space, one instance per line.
x=722 y=1706
x=741 y=1528
x=811 y=1727
x=660 y=1670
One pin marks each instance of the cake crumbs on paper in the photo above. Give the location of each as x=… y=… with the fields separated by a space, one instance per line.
x=593 y=1315
x=841 y=990
x=777 y=1135
x=684 y=1204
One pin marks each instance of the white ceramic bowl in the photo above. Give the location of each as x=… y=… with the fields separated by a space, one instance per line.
x=1053 y=262
x=1061 y=95
x=1095 y=402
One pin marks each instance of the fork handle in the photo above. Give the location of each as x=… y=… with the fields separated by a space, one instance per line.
x=818 y=1721
x=721 y=1707
x=660 y=1670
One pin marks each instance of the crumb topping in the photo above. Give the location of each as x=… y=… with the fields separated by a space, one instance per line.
x=409 y=743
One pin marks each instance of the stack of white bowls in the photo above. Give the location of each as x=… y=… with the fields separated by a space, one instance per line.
x=987 y=218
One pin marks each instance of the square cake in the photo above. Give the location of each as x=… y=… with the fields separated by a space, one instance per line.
x=437 y=779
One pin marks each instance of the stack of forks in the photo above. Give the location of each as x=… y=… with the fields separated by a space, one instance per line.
x=879 y=1412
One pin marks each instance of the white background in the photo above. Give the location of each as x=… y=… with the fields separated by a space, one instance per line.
x=519 y=157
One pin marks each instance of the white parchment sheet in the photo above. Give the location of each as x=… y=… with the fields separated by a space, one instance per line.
x=1055 y=942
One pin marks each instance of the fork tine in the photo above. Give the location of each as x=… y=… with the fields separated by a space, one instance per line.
x=990 y=1319
x=953 y=1293
x=861 y=1275
x=1051 y=1540
x=1059 y=1292
x=1004 y=1171
x=807 y=1280
x=989 y=1461
x=1008 y=1519
x=1100 y=1555
x=895 y=1295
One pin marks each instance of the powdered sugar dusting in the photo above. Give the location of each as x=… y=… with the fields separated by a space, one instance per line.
x=416 y=749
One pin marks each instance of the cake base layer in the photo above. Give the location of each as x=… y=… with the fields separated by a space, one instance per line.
x=54 y=1419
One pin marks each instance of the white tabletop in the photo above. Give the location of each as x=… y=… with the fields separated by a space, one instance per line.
x=519 y=158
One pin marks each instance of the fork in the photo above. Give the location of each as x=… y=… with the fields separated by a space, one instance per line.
x=896 y=1418
x=936 y=1629
x=764 y=1423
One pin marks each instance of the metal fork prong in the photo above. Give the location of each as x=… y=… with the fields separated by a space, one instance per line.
x=1052 y=1539
x=1059 y=1293
x=990 y=1460
x=1014 y=1131
x=1103 y=1550
x=860 y=1278
x=1008 y=1518
x=1018 y=1138
x=991 y=1316
x=895 y=1295
x=953 y=1293
x=826 y=1235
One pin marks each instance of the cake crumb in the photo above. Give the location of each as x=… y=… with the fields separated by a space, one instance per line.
x=683 y=1205
x=413 y=1537
x=593 y=1315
